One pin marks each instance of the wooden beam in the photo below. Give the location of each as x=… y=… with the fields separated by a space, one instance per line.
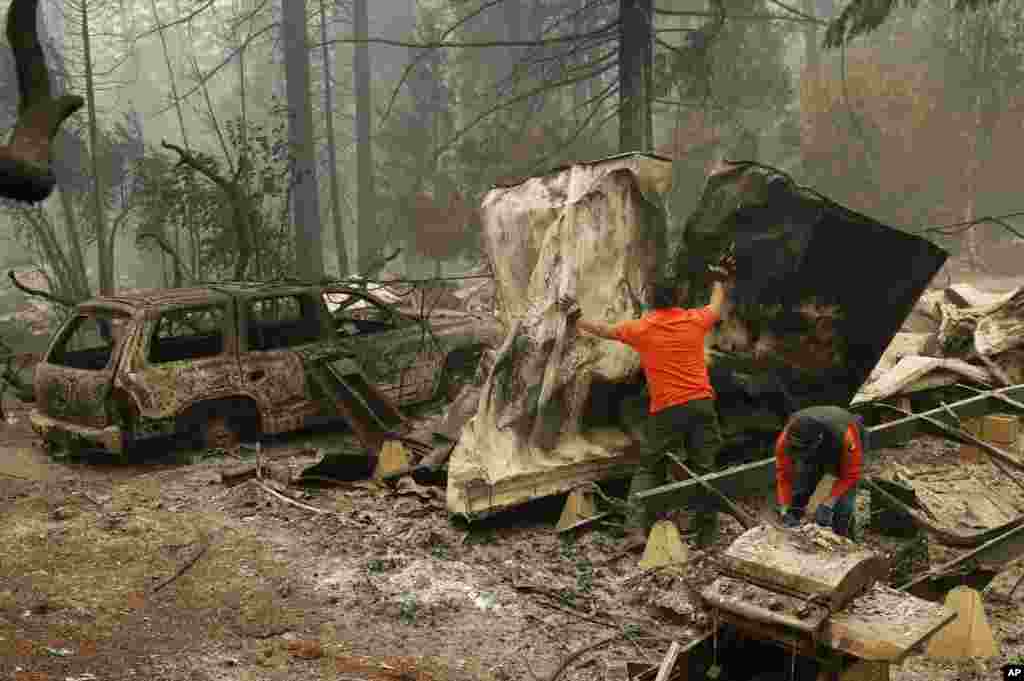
x=889 y=434
x=738 y=481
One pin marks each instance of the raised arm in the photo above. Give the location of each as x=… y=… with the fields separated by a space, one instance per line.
x=574 y=315
x=724 y=274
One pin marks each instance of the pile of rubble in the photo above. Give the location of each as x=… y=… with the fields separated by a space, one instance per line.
x=954 y=335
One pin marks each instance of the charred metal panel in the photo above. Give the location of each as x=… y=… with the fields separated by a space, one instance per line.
x=821 y=289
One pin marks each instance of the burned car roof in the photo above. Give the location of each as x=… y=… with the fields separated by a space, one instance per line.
x=208 y=293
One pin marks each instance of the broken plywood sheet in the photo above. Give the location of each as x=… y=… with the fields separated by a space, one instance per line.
x=966 y=295
x=902 y=345
x=884 y=624
x=965 y=497
x=1008 y=585
x=481 y=482
x=808 y=560
x=1001 y=327
x=764 y=605
x=914 y=370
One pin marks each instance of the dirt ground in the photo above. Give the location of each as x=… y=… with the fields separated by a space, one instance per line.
x=384 y=587
x=153 y=570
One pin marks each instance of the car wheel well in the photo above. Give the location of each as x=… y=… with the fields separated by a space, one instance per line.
x=242 y=412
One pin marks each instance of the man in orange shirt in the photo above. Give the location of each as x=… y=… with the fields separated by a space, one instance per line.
x=670 y=341
x=820 y=440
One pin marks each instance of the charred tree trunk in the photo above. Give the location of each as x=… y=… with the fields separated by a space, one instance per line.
x=635 y=61
x=332 y=153
x=366 y=209
x=306 y=207
x=105 y=268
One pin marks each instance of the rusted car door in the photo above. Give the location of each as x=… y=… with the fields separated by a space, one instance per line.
x=73 y=381
x=187 y=355
x=398 y=354
x=271 y=370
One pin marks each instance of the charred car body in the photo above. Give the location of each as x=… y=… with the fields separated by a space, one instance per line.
x=233 y=359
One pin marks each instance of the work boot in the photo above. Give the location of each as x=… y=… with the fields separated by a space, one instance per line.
x=686 y=521
x=707 y=527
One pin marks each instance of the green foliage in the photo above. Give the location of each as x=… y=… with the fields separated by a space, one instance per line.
x=478 y=536
x=408 y=606
x=378 y=565
x=861 y=17
x=193 y=213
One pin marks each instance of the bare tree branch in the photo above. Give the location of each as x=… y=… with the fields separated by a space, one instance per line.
x=46 y=295
x=501 y=105
x=486 y=43
x=177 y=22
x=224 y=62
x=180 y=270
x=444 y=35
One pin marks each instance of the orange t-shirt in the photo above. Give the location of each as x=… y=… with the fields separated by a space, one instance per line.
x=671 y=347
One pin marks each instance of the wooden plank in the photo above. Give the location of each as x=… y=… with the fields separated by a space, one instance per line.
x=885 y=625
x=762 y=605
x=669 y=662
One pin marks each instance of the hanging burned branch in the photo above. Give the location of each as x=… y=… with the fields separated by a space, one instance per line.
x=25 y=170
x=238 y=199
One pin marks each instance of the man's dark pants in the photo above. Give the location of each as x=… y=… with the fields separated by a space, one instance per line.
x=691 y=432
x=806 y=479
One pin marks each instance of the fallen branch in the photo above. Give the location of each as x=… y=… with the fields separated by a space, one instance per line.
x=12 y=475
x=46 y=295
x=582 y=651
x=669 y=662
x=277 y=495
x=184 y=567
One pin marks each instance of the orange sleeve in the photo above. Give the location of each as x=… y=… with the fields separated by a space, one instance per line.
x=849 y=463
x=707 y=317
x=783 y=472
x=631 y=333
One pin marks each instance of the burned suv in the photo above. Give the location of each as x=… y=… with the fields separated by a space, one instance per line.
x=231 y=359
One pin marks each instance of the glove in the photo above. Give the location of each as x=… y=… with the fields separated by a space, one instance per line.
x=725 y=268
x=823 y=516
x=571 y=308
x=791 y=518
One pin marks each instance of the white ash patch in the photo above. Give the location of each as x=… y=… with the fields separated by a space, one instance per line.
x=337 y=575
x=434 y=583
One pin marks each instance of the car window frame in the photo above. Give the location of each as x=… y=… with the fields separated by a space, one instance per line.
x=304 y=297
x=72 y=324
x=225 y=328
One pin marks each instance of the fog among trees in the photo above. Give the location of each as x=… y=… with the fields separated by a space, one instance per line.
x=228 y=139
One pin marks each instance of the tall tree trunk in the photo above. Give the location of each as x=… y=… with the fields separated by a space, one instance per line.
x=105 y=268
x=309 y=261
x=80 y=278
x=366 y=202
x=635 y=62
x=812 y=53
x=173 y=82
x=332 y=152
